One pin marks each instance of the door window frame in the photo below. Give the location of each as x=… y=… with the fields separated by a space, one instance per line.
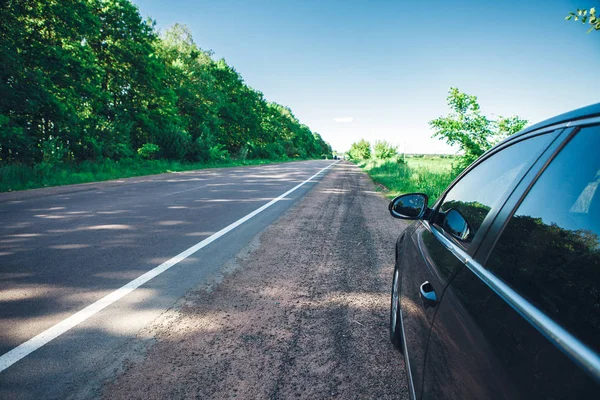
x=472 y=247
x=566 y=342
x=511 y=204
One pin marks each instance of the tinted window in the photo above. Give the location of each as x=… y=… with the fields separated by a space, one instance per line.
x=486 y=187
x=550 y=250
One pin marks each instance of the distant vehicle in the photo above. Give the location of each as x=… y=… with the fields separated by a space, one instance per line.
x=335 y=158
x=496 y=288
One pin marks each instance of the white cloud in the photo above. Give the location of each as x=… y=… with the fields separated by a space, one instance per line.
x=344 y=119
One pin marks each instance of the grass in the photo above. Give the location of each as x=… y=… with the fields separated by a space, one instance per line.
x=433 y=163
x=21 y=177
x=429 y=175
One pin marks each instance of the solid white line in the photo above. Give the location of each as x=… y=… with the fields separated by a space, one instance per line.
x=14 y=355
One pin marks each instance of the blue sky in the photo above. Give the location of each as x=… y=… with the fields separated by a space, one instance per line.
x=386 y=66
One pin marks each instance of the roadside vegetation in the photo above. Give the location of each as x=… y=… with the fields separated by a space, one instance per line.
x=465 y=127
x=427 y=175
x=22 y=177
x=91 y=86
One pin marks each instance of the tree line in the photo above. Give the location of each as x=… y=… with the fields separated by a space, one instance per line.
x=92 y=80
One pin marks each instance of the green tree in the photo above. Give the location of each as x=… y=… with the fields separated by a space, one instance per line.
x=48 y=77
x=360 y=150
x=586 y=16
x=138 y=105
x=198 y=99
x=467 y=128
x=384 y=150
x=506 y=126
x=90 y=79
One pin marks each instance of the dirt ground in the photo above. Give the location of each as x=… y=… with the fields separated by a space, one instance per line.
x=301 y=313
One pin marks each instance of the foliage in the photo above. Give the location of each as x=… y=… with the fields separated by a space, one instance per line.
x=360 y=150
x=90 y=80
x=506 y=126
x=384 y=150
x=148 y=151
x=21 y=176
x=431 y=179
x=467 y=128
x=588 y=16
x=218 y=153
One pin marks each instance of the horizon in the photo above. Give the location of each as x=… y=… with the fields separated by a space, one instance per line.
x=351 y=71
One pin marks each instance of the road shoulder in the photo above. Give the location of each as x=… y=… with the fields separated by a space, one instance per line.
x=301 y=312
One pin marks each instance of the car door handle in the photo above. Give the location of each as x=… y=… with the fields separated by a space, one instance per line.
x=428 y=294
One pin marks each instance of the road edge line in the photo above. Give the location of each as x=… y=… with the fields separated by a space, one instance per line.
x=24 y=349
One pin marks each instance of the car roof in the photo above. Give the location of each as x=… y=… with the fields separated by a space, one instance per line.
x=580 y=113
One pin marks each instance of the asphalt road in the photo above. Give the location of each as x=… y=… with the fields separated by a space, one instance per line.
x=62 y=249
x=301 y=313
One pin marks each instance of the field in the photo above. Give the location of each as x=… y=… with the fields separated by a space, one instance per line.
x=426 y=174
x=434 y=163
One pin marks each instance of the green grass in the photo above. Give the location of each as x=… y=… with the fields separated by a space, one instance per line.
x=21 y=177
x=433 y=163
x=429 y=175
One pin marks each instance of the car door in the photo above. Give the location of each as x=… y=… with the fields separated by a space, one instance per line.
x=428 y=265
x=521 y=319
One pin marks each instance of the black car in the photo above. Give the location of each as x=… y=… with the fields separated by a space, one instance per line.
x=496 y=287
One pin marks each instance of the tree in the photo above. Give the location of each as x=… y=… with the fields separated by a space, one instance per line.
x=588 y=16
x=190 y=76
x=360 y=150
x=506 y=126
x=471 y=131
x=384 y=150
x=90 y=79
x=48 y=77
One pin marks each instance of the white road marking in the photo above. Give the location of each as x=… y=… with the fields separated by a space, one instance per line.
x=24 y=349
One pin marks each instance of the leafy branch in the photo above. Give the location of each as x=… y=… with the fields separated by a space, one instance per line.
x=585 y=16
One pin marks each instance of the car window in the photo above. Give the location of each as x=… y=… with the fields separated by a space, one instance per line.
x=549 y=251
x=485 y=187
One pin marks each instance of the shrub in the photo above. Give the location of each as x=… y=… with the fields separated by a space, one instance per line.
x=384 y=150
x=269 y=151
x=149 y=151
x=174 y=143
x=53 y=151
x=218 y=153
x=360 y=150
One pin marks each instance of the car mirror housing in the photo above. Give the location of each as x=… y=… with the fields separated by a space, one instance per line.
x=456 y=225
x=409 y=206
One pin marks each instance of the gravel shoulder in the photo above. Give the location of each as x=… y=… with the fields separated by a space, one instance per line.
x=301 y=313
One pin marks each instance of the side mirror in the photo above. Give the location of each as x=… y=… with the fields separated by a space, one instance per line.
x=456 y=225
x=409 y=206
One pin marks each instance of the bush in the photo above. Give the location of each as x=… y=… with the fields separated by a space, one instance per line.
x=218 y=153
x=149 y=151
x=269 y=151
x=360 y=150
x=385 y=150
x=53 y=151
x=174 y=143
